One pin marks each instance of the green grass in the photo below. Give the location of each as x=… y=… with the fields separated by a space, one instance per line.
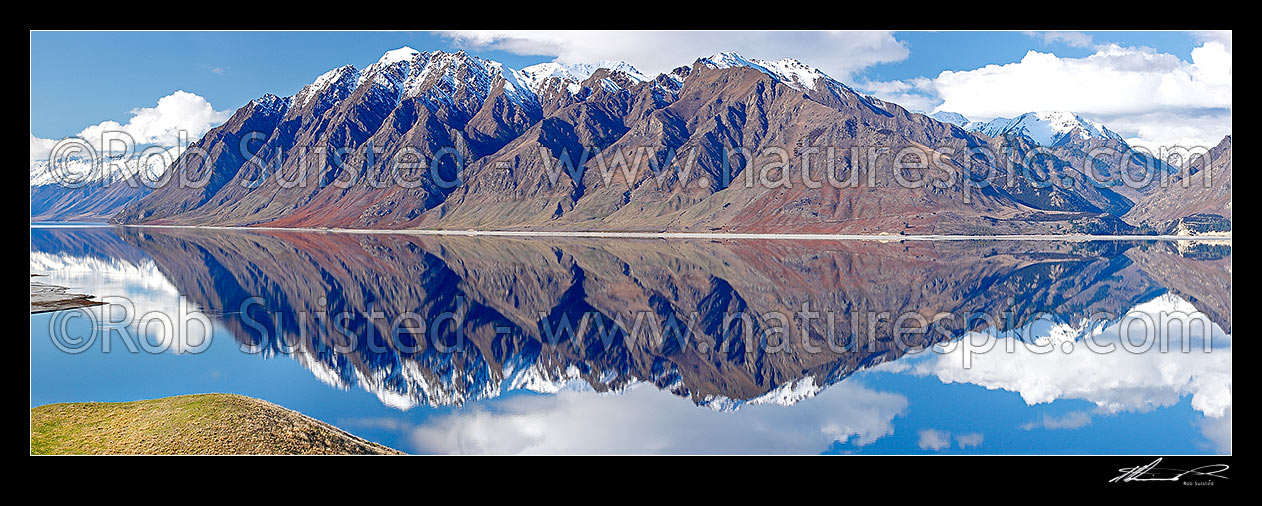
x=187 y=424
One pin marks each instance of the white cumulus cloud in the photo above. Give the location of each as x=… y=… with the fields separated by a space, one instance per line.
x=40 y=147
x=163 y=124
x=1150 y=97
x=1115 y=80
x=1135 y=376
x=646 y=420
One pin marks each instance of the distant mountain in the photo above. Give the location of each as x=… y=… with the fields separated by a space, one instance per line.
x=953 y=118
x=92 y=202
x=507 y=151
x=1050 y=129
x=76 y=189
x=1083 y=142
x=1199 y=204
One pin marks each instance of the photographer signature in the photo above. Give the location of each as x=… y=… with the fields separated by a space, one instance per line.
x=1151 y=472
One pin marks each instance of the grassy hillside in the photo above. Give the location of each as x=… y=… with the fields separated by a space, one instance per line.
x=187 y=424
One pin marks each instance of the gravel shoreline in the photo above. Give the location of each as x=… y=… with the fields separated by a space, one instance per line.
x=46 y=297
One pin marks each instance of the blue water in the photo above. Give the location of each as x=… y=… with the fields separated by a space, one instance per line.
x=646 y=400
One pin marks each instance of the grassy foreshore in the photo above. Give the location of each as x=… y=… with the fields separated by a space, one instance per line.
x=223 y=424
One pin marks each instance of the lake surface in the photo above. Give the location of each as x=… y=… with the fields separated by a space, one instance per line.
x=503 y=345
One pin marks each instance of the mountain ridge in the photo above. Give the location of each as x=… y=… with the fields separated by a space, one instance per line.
x=484 y=126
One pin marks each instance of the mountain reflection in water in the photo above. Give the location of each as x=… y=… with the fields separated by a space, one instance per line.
x=490 y=315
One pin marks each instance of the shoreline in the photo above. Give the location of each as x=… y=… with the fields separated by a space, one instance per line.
x=713 y=235
x=682 y=235
x=46 y=298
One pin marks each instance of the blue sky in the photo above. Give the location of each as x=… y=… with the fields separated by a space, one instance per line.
x=79 y=79
x=933 y=52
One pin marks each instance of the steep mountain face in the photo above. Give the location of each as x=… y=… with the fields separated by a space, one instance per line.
x=408 y=107
x=726 y=103
x=728 y=143
x=1199 y=203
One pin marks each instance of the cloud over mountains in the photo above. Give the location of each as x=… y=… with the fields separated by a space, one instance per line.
x=162 y=125
x=1151 y=97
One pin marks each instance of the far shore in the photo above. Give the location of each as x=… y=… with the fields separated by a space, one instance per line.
x=714 y=235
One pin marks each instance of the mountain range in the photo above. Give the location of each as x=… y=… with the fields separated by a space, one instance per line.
x=605 y=147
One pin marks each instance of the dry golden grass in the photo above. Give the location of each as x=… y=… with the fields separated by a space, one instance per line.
x=223 y=424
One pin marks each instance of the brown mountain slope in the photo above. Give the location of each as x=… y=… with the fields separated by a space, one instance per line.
x=629 y=184
x=1206 y=192
x=707 y=147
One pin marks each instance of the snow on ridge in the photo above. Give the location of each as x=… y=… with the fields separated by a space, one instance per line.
x=787 y=70
x=800 y=76
x=150 y=164
x=953 y=118
x=272 y=102
x=787 y=394
x=1046 y=128
x=790 y=393
x=534 y=77
x=439 y=78
x=345 y=75
x=390 y=70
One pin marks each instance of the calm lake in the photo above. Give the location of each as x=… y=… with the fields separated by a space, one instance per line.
x=437 y=344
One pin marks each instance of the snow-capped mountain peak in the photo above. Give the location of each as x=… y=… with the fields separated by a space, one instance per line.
x=442 y=77
x=342 y=79
x=404 y=53
x=953 y=118
x=455 y=78
x=788 y=70
x=391 y=69
x=535 y=77
x=149 y=166
x=1047 y=128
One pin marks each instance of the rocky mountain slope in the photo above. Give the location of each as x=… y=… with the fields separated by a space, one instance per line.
x=591 y=147
x=1198 y=204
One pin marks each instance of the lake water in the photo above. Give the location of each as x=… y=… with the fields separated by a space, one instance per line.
x=496 y=345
